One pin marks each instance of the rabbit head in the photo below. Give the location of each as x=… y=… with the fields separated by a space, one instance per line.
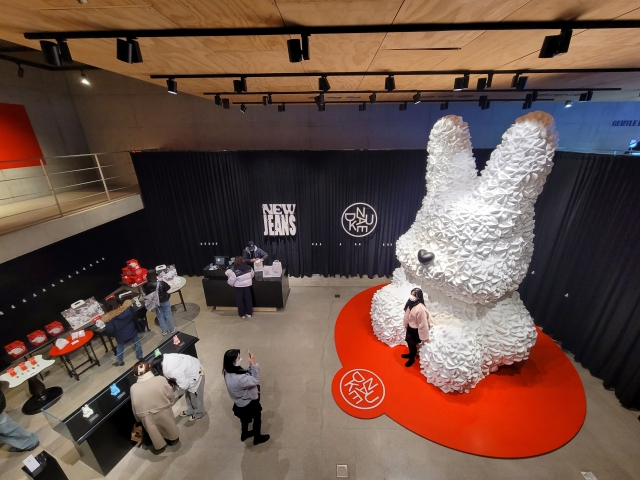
x=479 y=228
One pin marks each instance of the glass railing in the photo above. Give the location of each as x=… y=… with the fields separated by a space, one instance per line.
x=37 y=190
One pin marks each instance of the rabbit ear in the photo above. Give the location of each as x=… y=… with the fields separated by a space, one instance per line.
x=518 y=168
x=450 y=166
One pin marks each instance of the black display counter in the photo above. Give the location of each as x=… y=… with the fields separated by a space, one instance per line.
x=267 y=292
x=104 y=438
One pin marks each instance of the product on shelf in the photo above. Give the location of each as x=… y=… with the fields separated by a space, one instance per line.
x=37 y=338
x=133 y=274
x=16 y=349
x=54 y=328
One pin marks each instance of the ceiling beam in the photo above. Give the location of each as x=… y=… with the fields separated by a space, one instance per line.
x=338 y=29
x=363 y=92
x=357 y=102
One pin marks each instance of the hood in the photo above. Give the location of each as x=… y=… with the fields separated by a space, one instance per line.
x=107 y=317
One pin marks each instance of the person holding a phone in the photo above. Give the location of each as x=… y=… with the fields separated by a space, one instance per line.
x=244 y=389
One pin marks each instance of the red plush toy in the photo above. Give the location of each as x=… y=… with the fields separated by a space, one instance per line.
x=16 y=349
x=54 y=328
x=37 y=338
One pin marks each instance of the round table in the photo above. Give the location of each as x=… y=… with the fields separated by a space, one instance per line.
x=40 y=395
x=72 y=346
x=178 y=288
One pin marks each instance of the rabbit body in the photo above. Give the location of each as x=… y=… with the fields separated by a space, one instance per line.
x=480 y=229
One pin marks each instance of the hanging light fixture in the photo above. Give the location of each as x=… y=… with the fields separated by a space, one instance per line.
x=416 y=98
x=128 y=50
x=362 y=107
x=217 y=100
x=460 y=83
x=83 y=79
x=372 y=97
x=265 y=100
x=568 y=104
x=444 y=106
x=20 y=71
x=225 y=104
x=390 y=83
x=51 y=53
x=243 y=108
x=403 y=106
x=555 y=45
x=281 y=107
x=323 y=84
x=172 y=86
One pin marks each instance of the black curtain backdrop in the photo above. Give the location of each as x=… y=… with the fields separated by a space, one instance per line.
x=210 y=203
x=586 y=245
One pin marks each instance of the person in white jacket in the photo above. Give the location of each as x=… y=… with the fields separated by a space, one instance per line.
x=184 y=372
x=240 y=276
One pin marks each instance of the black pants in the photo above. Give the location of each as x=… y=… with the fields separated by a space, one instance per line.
x=413 y=339
x=250 y=413
x=243 y=300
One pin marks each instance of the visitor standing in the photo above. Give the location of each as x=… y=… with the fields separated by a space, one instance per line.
x=18 y=439
x=251 y=253
x=163 y=310
x=187 y=374
x=240 y=277
x=417 y=321
x=120 y=323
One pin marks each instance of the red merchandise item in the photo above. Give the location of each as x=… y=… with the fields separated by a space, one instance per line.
x=133 y=263
x=16 y=349
x=37 y=338
x=22 y=366
x=54 y=328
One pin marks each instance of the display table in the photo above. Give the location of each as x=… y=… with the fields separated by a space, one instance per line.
x=178 y=288
x=40 y=395
x=267 y=293
x=72 y=347
x=103 y=437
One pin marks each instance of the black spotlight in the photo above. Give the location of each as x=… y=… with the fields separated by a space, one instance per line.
x=240 y=86
x=416 y=98
x=295 y=50
x=444 y=106
x=128 y=50
x=518 y=82
x=586 y=97
x=20 y=71
x=362 y=107
x=554 y=45
x=65 y=53
x=217 y=99
x=321 y=107
x=486 y=105
x=390 y=83
x=482 y=84
x=305 y=47
x=403 y=106
x=51 y=52
x=323 y=84
x=319 y=99
x=489 y=80
x=482 y=100
x=460 y=83
x=528 y=100
x=243 y=108
x=270 y=99
x=172 y=86
x=265 y=100
x=225 y=104
x=281 y=107
x=372 y=97
x=534 y=96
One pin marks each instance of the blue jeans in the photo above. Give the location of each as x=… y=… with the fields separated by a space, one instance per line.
x=14 y=435
x=165 y=317
x=120 y=349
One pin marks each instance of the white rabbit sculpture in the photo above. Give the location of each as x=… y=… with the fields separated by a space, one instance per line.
x=480 y=232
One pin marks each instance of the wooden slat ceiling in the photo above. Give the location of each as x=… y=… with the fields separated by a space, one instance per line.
x=353 y=52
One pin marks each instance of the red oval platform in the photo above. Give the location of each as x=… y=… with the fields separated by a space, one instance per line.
x=522 y=410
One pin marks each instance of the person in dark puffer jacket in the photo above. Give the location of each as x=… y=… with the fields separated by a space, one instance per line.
x=120 y=323
x=13 y=434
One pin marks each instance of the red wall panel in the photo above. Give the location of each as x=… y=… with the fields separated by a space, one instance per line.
x=18 y=141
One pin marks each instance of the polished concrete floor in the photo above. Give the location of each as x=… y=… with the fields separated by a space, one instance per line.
x=310 y=434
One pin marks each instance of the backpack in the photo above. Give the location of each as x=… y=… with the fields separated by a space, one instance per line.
x=152 y=301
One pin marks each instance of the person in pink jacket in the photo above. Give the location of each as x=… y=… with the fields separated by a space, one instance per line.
x=239 y=277
x=417 y=322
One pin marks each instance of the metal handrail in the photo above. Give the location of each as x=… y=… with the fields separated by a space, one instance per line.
x=62 y=156
x=128 y=186
x=71 y=171
x=26 y=194
x=76 y=184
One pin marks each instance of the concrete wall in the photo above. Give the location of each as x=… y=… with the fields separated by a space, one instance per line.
x=53 y=115
x=120 y=113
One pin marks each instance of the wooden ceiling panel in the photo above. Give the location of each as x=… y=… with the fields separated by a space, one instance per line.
x=407 y=41
x=582 y=57
x=339 y=83
x=409 y=82
x=220 y=13
x=342 y=53
x=596 y=38
x=573 y=10
x=67 y=4
x=276 y=43
x=110 y=18
x=458 y=11
x=398 y=60
x=266 y=62
x=338 y=12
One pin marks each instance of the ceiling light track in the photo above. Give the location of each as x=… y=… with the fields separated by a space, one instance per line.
x=561 y=25
x=369 y=92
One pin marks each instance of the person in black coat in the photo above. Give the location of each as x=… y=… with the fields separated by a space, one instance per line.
x=120 y=323
x=163 y=312
x=253 y=253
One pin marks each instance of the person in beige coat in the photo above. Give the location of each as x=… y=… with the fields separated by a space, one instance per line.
x=151 y=400
x=417 y=321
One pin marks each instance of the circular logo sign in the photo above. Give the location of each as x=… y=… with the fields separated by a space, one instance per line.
x=362 y=389
x=359 y=219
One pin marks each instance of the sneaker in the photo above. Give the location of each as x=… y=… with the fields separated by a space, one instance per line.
x=118 y=364
x=260 y=439
x=28 y=449
x=184 y=414
x=410 y=362
x=248 y=316
x=171 y=443
x=192 y=418
x=246 y=435
x=405 y=355
x=243 y=316
x=165 y=333
x=174 y=331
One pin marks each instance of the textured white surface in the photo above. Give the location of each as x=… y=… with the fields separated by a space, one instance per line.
x=481 y=232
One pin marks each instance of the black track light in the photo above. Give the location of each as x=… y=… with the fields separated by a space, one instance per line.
x=482 y=100
x=489 y=80
x=319 y=99
x=482 y=84
x=84 y=80
x=172 y=86
x=323 y=84
x=65 y=53
x=270 y=98
x=372 y=97
x=486 y=105
x=460 y=83
x=265 y=100
x=554 y=45
x=362 y=107
x=403 y=106
x=519 y=82
x=321 y=107
x=240 y=86
x=514 y=80
x=298 y=49
x=534 y=96
x=444 y=106
x=416 y=98
x=225 y=104
x=390 y=83
x=20 y=71
x=217 y=99
x=528 y=100
x=281 y=107
x=586 y=97
x=51 y=52
x=243 y=108
x=128 y=50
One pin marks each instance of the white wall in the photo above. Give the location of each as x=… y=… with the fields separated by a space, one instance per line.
x=122 y=113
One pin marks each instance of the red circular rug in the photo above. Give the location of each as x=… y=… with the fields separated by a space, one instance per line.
x=522 y=410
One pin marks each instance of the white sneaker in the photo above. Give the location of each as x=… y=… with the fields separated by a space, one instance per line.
x=165 y=333
x=243 y=316
x=248 y=316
